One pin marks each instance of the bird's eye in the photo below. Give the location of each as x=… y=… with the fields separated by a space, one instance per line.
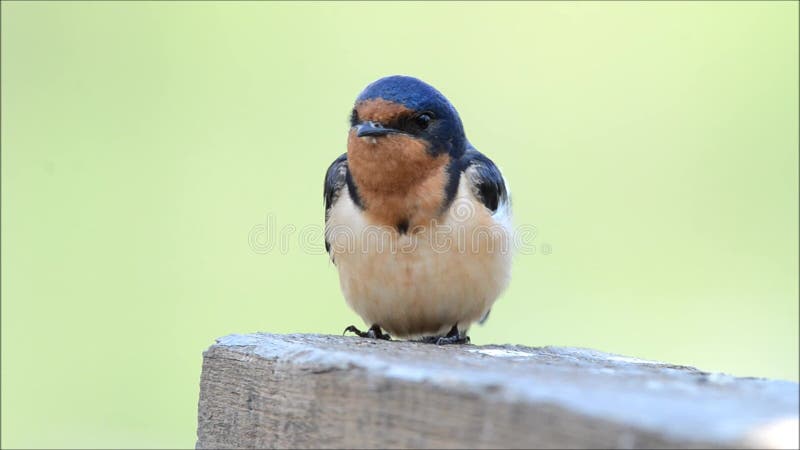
x=353 y=118
x=423 y=120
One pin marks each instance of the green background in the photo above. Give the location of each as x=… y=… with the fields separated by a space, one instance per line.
x=654 y=146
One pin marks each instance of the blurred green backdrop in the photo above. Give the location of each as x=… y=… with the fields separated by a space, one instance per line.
x=653 y=145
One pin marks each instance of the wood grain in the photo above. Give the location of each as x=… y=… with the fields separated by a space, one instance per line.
x=312 y=391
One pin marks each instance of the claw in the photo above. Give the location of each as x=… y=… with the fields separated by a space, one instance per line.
x=374 y=332
x=452 y=337
x=445 y=340
x=353 y=329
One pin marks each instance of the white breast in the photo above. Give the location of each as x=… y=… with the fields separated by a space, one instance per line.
x=429 y=279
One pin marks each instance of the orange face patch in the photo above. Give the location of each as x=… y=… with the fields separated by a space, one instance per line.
x=397 y=178
x=381 y=111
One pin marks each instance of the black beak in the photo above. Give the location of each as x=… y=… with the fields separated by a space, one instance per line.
x=372 y=129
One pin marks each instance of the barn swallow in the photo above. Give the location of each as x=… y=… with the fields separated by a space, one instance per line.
x=417 y=221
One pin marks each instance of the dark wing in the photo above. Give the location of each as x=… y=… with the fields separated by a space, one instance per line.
x=335 y=180
x=485 y=179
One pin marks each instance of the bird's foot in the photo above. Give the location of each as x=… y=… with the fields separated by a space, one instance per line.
x=452 y=337
x=374 y=332
x=446 y=340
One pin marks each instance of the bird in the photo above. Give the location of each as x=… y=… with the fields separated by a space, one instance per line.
x=417 y=220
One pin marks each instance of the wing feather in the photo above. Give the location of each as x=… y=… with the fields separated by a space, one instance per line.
x=335 y=180
x=485 y=179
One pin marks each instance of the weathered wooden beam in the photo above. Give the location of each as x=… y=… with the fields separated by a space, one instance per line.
x=312 y=391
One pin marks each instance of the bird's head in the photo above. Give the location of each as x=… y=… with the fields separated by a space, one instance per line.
x=402 y=129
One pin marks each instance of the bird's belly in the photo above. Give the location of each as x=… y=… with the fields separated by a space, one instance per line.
x=423 y=282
